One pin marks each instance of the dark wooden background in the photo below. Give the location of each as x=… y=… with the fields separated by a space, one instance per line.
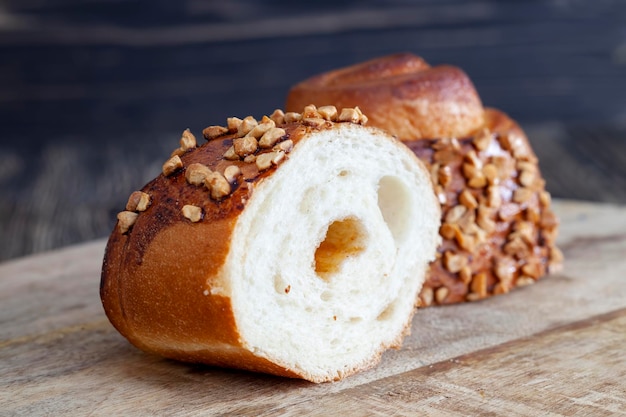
x=94 y=94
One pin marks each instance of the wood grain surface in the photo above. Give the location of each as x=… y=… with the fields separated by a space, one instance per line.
x=555 y=348
x=93 y=95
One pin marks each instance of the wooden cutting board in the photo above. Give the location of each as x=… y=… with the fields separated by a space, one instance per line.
x=554 y=348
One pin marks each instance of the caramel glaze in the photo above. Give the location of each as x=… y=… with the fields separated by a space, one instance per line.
x=487 y=254
x=168 y=194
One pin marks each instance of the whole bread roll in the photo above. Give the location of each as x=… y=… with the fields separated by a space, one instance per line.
x=295 y=245
x=498 y=230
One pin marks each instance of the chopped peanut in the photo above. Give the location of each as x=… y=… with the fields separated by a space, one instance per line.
x=126 y=220
x=172 y=165
x=197 y=173
x=191 y=212
x=187 y=140
x=213 y=132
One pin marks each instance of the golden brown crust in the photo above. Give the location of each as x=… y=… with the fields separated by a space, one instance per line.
x=498 y=230
x=161 y=283
x=401 y=94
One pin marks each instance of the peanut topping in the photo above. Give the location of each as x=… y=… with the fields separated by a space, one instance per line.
x=455 y=213
x=441 y=194
x=213 y=132
x=493 y=196
x=310 y=112
x=508 y=211
x=426 y=296
x=526 y=166
x=441 y=294
x=532 y=269
x=249 y=159
x=504 y=269
x=231 y=173
x=522 y=195
x=532 y=214
x=197 y=173
x=526 y=178
x=479 y=284
x=284 y=146
x=266 y=160
x=556 y=255
x=316 y=122
x=233 y=124
x=362 y=118
x=478 y=181
x=454 y=262
x=230 y=154
x=466 y=241
x=259 y=130
x=245 y=146
x=484 y=220
x=504 y=166
x=278 y=117
x=483 y=139
x=187 y=140
x=126 y=220
x=444 y=175
x=328 y=112
x=517 y=248
x=449 y=231
x=138 y=201
x=354 y=115
x=247 y=124
x=491 y=173
x=468 y=200
x=172 y=165
x=525 y=231
x=272 y=136
x=473 y=159
x=544 y=198
x=193 y=213
x=514 y=143
x=291 y=117
x=465 y=274
x=218 y=185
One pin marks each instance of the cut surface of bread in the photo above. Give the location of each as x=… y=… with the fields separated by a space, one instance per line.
x=308 y=268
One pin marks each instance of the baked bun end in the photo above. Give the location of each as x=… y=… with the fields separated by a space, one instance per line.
x=309 y=266
x=401 y=94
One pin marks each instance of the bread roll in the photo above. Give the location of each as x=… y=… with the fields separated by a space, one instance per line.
x=295 y=246
x=498 y=228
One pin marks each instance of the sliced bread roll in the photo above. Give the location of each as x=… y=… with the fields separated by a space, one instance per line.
x=296 y=246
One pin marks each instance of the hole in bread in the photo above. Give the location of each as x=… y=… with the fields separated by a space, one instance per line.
x=326 y=296
x=387 y=313
x=394 y=202
x=343 y=239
